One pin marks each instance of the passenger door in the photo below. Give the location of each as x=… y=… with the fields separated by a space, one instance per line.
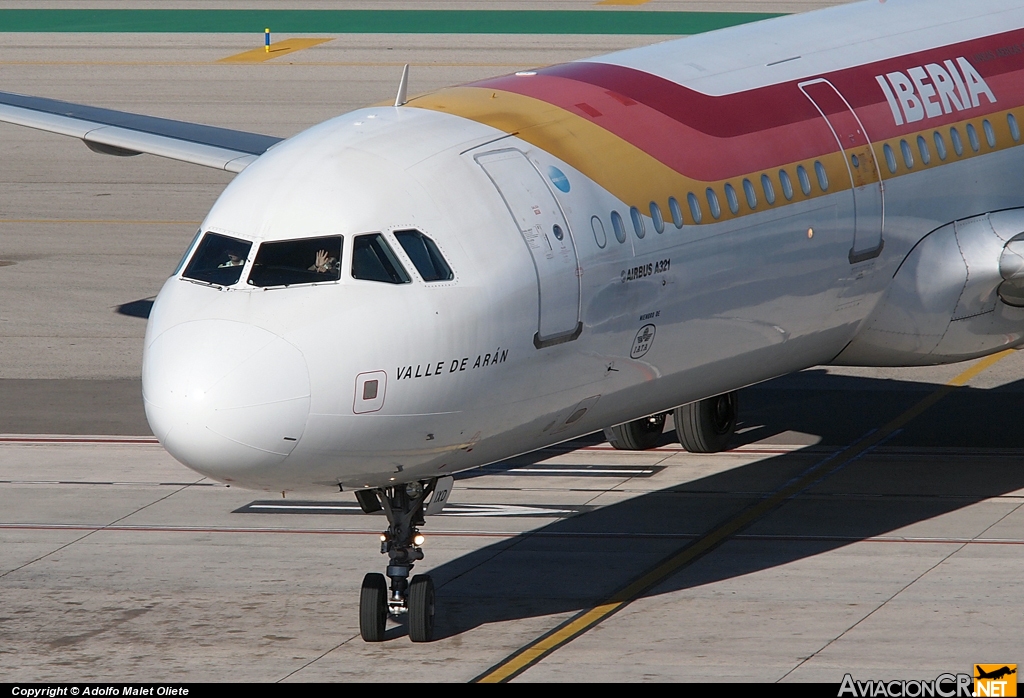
x=860 y=163
x=546 y=233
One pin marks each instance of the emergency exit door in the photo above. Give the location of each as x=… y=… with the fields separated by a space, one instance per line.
x=861 y=164
x=547 y=236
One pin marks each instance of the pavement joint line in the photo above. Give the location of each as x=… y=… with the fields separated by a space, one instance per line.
x=97 y=529
x=909 y=584
x=531 y=654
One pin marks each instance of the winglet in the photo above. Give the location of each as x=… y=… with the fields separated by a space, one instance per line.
x=403 y=87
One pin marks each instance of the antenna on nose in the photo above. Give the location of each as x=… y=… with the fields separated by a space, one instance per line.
x=403 y=86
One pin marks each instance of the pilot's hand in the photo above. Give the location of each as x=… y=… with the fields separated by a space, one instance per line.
x=321 y=264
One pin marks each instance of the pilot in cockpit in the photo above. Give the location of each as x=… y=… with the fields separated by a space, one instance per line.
x=324 y=262
x=234 y=260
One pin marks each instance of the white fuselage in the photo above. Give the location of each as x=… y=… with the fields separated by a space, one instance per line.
x=530 y=345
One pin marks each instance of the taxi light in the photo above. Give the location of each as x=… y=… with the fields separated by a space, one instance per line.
x=418 y=539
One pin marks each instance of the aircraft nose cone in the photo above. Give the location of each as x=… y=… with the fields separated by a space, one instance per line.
x=225 y=398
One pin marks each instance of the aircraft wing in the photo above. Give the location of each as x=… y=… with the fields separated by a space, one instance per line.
x=120 y=133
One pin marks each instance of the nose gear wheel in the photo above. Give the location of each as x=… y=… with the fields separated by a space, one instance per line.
x=403 y=506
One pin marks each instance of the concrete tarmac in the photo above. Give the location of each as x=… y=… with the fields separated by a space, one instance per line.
x=118 y=564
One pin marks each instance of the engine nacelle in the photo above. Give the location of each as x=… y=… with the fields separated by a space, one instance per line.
x=958 y=295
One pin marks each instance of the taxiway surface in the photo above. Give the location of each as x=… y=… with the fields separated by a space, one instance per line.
x=899 y=556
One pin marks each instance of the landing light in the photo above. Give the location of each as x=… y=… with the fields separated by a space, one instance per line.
x=525 y=73
x=418 y=539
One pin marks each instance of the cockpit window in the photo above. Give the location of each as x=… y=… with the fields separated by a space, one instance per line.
x=374 y=260
x=424 y=255
x=218 y=260
x=290 y=262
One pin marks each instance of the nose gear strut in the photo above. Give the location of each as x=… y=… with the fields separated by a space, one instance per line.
x=403 y=506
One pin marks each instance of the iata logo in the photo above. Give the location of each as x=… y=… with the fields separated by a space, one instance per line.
x=933 y=90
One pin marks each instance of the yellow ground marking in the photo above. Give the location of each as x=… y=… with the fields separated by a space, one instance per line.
x=92 y=221
x=526 y=657
x=258 y=55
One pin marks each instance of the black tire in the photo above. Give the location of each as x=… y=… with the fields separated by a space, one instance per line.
x=638 y=435
x=707 y=425
x=421 y=608
x=373 y=608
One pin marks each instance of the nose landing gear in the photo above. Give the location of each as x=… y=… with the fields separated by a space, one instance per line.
x=403 y=506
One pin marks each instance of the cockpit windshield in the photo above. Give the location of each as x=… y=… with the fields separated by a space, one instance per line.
x=219 y=260
x=308 y=261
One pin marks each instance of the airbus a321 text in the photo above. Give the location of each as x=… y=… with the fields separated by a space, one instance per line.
x=405 y=292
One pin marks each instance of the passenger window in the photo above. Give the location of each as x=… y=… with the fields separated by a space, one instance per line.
x=748 y=189
x=425 y=255
x=599 y=235
x=695 y=211
x=638 y=222
x=290 y=262
x=219 y=260
x=890 y=158
x=1011 y=121
x=769 y=189
x=972 y=136
x=805 y=181
x=716 y=209
x=373 y=260
x=940 y=145
x=787 y=185
x=922 y=147
x=908 y=155
x=659 y=221
x=958 y=144
x=819 y=170
x=732 y=199
x=618 y=227
x=990 y=133
x=677 y=212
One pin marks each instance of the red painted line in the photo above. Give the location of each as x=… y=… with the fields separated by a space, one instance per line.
x=492 y=534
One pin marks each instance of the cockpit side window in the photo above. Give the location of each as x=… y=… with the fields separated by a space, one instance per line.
x=290 y=262
x=219 y=260
x=188 y=251
x=374 y=260
x=424 y=255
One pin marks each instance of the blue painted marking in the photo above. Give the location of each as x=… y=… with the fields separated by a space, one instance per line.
x=558 y=178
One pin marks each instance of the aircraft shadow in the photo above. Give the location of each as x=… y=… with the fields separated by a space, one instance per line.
x=573 y=563
x=140 y=308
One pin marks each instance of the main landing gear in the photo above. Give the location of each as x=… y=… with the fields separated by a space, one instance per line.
x=704 y=426
x=403 y=506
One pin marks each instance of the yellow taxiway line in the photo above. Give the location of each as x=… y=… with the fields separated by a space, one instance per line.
x=281 y=48
x=531 y=654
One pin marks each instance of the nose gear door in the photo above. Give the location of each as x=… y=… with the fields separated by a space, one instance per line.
x=546 y=233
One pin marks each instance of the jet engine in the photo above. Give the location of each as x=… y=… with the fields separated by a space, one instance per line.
x=958 y=295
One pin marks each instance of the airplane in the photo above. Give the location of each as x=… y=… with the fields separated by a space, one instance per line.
x=995 y=674
x=412 y=290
